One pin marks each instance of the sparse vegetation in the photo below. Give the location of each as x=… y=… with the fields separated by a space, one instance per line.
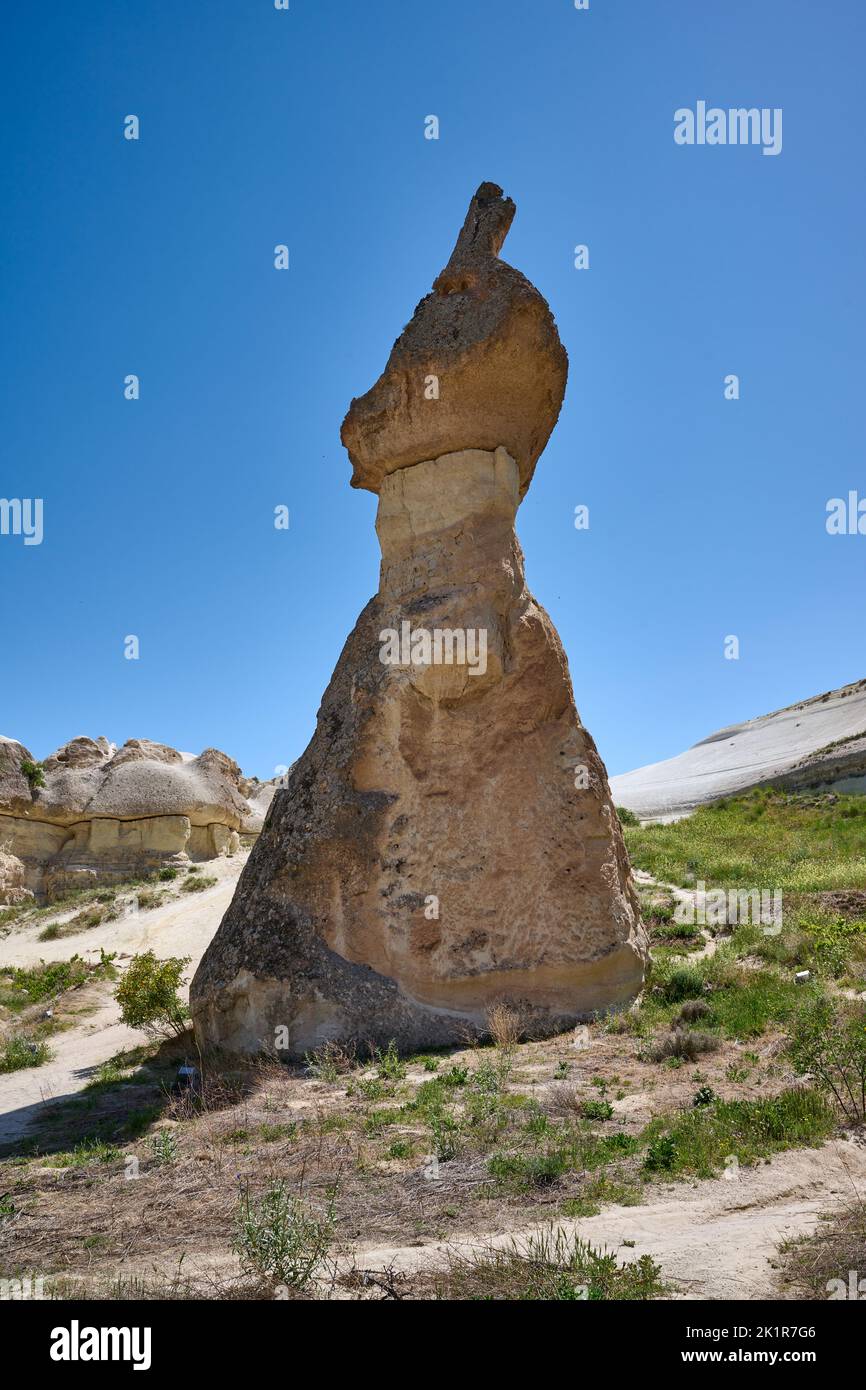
x=513 y=1133
x=551 y=1267
x=198 y=883
x=819 y=1265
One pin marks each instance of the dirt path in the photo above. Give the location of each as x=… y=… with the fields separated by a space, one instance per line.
x=182 y=927
x=713 y=1240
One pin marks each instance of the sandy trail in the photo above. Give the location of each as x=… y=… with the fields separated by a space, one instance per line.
x=182 y=927
x=713 y=1240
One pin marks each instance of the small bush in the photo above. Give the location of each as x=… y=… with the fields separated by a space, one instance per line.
x=34 y=772
x=330 y=1061
x=686 y=1044
x=389 y=1064
x=692 y=1010
x=166 y=874
x=279 y=1238
x=148 y=994
x=16 y=1054
x=596 y=1109
x=197 y=884
x=829 y=1043
x=626 y=817
x=674 y=985
x=504 y=1024
x=661 y=1156
x=704 y=1095
x=164 y=1146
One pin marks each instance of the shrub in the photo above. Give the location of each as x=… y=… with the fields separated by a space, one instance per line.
x=674 y=985
x=626 y=817
x=330 y=1061
x=596 y=1109
x=704 y=1095
x=661 y=1156
x=504 y=1024
x=279 y=1238
x=389 y=1063
x=830 y=1044
x=16 y=1054
x=687 y=1044
x=34 y=772
x=197 y=884
x=692 y=1010
x=164 y=1146
x=148 y=996
x=167 y=874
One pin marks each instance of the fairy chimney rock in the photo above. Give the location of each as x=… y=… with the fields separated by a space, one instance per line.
x=447 y=842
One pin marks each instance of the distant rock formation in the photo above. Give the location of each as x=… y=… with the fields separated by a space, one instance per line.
x=447 y=841
x=95 y=813
x=818 y=744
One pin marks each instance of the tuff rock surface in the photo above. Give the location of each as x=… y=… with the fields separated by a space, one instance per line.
x=104 y=813
x=489 y=340
x=447 y=841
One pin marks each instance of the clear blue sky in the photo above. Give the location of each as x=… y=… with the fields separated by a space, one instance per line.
x=260 y=127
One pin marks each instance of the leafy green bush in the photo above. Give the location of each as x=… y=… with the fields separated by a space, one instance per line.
x=164 y=1146
x=673 y=985
x=148 y=994
x=596 y=1109
x=626 y=817
x=34 y=772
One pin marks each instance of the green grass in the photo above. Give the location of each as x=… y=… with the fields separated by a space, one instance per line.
x=88 y=1151
x=765 y=840
x=699 y=1142
x=551 y=1267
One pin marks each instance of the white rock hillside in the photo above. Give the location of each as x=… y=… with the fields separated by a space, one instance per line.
x=817 y=744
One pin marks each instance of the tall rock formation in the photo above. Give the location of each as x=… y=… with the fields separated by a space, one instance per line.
x=447 y=841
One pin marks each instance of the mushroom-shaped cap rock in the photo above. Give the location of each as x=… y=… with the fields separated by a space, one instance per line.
x=488 y=338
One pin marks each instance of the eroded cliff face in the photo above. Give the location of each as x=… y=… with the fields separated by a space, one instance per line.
x=94 y=813
x=447 y=841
